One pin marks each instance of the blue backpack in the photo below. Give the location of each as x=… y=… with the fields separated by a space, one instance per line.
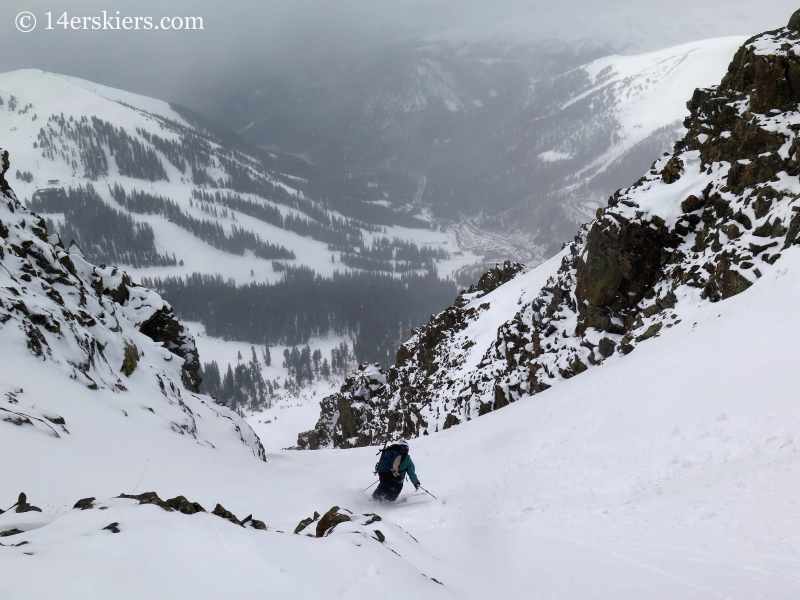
x=388 y=455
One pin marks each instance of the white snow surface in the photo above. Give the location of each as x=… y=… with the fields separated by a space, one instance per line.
x=650 y=90
x=277 y=426
x=670 y=473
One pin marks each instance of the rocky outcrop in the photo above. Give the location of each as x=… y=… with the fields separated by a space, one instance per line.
x=359 y=414
x=48 y=274
x=23 y=506
x=326 y=524
x=702 y=225
x=177 y=504
x=92 y=325
x=164 y=327
x=331 y=519
x=187 y=507
x=154 y=318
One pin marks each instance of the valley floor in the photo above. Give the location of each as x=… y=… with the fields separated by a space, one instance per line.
x=673 y=472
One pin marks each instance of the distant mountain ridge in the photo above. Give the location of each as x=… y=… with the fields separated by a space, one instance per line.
x=703 y=224
x=530 y=139
x=120 y=143
x=181 y=202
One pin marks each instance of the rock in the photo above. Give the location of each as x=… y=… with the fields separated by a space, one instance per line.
x=793 y=233
x=672 y=171
x=22 y=505
x=691 y=204
x=725 y=282
x=148 y=498
x=220 y=511
x=623 y=260
x=757 y=249
x=85 y=503
x=182 y=505
x=256 y=524
x=606 y=347
x=303 y=524
x=651 y=332
x=451 y=419
x=668 y=301
x=373 y=518
x=164 y=327
x=794 y=21
x=112 y=527
x=9 y=532
x=365 y=384
x=495 y=277
x=330 y=520
x=731 y=230
x=130 y=360
x=379 y=536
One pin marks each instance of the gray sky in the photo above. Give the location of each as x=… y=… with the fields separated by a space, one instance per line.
x=247 y=38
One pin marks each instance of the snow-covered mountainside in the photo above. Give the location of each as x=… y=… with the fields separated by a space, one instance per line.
x=593 y=129
x=705 y=223
x=672 y=473
x=85 y=350
x=526 y=139
x=257 y=245
x=99 y=389
x=184 y=195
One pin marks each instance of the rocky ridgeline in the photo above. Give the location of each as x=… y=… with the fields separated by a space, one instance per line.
x=91 y=323
x=55 y=298
x=702 y=225
x=360 y=413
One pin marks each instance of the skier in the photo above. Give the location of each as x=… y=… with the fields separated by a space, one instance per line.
x=392 y=468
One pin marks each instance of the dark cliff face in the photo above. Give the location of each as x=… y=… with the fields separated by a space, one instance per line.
x=164 y=327
x=702 y=225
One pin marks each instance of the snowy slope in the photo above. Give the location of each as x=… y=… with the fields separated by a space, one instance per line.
x=670 y=473
x=55 y=126
x=650 y=90
x=666 y=472
x=595 y=128
x=97 y=393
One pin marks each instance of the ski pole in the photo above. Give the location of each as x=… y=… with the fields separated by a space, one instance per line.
x=426 y=491
x=366 y=488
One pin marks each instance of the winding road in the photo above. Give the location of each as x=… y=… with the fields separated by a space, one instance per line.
x=513 y=250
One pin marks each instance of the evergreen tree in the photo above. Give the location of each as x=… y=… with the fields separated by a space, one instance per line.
x=316 y=357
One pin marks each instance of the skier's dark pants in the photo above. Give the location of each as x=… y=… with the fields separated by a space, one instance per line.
x=388 y=489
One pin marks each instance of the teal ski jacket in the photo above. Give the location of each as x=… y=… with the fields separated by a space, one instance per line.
x=406 y=467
